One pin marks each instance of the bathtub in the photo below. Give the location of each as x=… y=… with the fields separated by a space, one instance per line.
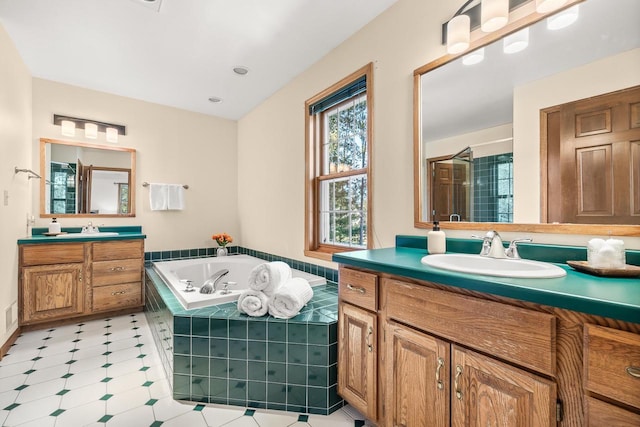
x=200 y=269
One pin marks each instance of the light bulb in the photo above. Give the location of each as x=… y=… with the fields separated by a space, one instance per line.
x=474 y=57
x=494 y=14
x=91 y=130
x=517 y=41
x=546 y=6
x=112 y=135
x=68 y=128
x=458 y=34
x=563 y=19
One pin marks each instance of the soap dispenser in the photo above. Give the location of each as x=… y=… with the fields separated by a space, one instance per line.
x=54 y=226
x=436 y=240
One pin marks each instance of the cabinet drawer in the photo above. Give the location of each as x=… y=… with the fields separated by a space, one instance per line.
x=525 y=337
x=116 y=272
x=612 y=363
x=120 y=249
x=59 y=253
x=602 y=414
x=358 y=288
x=117 y=296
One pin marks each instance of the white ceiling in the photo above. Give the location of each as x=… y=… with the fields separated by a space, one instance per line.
x=181 y=52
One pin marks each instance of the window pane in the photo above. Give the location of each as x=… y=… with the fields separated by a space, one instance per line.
x=343 y=204
x=345 y=137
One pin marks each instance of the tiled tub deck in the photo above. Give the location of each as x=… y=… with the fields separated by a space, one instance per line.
x=218 y=355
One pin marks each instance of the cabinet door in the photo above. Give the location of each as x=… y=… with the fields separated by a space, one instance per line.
x=417 y=378
x=486 y=392
x=602 y=414
x=357 y=358
x=51 y=292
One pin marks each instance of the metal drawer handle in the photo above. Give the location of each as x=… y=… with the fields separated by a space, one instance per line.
x=119 y=293
x=634 y=371
x=117 y=268
x=438 y=380
x=456 y=383
x=356 y=289
x=369 y=346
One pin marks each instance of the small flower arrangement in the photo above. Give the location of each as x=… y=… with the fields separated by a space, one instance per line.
x=222 y=239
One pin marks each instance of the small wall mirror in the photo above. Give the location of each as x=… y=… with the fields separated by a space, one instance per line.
x=493 y=114
x=86 y=180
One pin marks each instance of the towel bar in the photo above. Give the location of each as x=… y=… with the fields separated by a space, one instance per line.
x=146 y=184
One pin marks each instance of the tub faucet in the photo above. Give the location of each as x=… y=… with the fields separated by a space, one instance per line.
x=492 y=245
x=211 y=284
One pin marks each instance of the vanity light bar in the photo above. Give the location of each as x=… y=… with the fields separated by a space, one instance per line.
x=80 y=123
x=474 y=15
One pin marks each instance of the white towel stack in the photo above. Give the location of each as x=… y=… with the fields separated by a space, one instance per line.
x=254 y=303
x=272 y=289
x=269 y=276
x=164 y=197
x=606 y=253
x=289 y=299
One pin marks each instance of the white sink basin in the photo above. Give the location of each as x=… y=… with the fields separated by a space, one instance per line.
x=476 y=264
x=99 y=234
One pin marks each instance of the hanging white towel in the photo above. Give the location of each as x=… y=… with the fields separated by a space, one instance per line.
x=268 y=276
x=175 y=197
x=254 y=303
x=289 y=299
x=158 y=197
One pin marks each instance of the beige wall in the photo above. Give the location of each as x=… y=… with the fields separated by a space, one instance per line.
x=271 y=137
x=172 y=146
x=15 y=134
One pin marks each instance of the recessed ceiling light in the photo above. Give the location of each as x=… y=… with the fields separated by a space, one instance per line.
x=215 y=99
x=240 y=70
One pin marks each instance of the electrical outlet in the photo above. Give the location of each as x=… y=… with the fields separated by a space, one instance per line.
x=6 y=197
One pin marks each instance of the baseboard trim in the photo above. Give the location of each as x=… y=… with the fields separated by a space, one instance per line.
x=12 y=339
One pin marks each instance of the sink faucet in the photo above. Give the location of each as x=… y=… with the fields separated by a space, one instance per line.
x=211 y=284
x=512 y=250
x=89 y=228
x=492 y=245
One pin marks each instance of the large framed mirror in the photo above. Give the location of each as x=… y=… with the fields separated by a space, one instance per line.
x=86 y=180
x=495 y=113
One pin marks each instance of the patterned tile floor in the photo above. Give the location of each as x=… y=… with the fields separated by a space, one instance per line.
x=108 y=373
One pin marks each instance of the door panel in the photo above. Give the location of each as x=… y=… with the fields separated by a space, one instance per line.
x=417 y=378
x=486 y=392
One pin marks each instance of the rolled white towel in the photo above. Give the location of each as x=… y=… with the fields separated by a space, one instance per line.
x=254 y=303
x=289 y=299
x=269 y=276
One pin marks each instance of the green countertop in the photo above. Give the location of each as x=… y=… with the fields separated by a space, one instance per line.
x=124 y=233
x=617 y=298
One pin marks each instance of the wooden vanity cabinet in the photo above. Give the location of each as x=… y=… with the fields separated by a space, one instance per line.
x=117 y=274
x=53 y=282
x=358 y=341
x=611 y=370
x=450 y=356
x=59 y=281
x=432 y=380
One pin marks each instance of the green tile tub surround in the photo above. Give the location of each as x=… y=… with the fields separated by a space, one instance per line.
x=261 y=362
x=126 y=232
x=616 y=298
x=170 y=255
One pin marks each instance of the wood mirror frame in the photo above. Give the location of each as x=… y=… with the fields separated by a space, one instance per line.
x=43 y=173
x=521 y=17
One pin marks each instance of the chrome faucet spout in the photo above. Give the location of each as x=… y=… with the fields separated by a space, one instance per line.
x=492 y=246
x=211 y=284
